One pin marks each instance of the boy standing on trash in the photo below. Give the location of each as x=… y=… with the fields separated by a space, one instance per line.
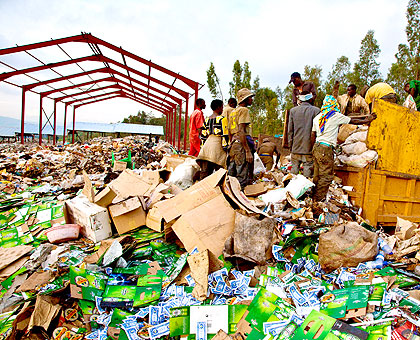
x=241 y=150
x=324 y=135
x=196 y=123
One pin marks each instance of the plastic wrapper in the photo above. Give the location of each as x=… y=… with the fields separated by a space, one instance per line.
x=183 y=174
x=259 y=167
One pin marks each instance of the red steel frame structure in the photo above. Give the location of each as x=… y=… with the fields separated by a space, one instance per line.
x=125 y=85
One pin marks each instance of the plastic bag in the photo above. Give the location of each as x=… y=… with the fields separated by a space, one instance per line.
x=355 y=148
x=346 y=245
x=296 y=187
x=259 y=167
x=359 y=161
x=183 y=174
x=358 y=136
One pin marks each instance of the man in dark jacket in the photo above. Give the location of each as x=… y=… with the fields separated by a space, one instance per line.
x=299 y=133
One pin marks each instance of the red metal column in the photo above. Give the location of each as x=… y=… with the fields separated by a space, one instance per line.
x=40 y=120
x=74 y=124
x=174 y=131
x=22 y=122
x=166 y=126
x=65 y=124
x=171 y=115
x=186 y=123
x=55 y=121
x=179 y=125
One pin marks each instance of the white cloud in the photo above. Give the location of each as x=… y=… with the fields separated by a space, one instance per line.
x=275 y=37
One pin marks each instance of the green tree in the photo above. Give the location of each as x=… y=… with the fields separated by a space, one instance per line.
x=265 y=111
x=413 y=36
x=366 y=70
x=399 y=72
x=246 y=77
x=213 y=82
x=407 y=64
x=235 y=84
x=241 y=78
x=339 y=72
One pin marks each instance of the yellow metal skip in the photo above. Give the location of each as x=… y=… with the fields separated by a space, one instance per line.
x=395 y=135
x=391 y=187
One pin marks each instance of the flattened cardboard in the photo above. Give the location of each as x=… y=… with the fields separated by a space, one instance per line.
x=13 y=267
x=255 y=189
x=105 y=197
x=128 y=215
x=129 y=184
x=207 y=226
x=93 y=219
x=37 y=279
x=10 y=255
x=192 y=197
x=119 y=166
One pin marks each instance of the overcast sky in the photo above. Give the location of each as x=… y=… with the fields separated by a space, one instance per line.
x=276 y=37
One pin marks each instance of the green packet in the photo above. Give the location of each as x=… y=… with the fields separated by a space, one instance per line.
x=86 y=284
x=57 y=284
x=142 y=252
x=402 y=280
x=141 y=269
x=380 y=331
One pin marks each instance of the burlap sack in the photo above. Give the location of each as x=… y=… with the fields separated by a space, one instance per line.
x=346 y=245
x=251 y=240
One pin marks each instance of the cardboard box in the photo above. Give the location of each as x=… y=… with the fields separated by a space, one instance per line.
x=105 y=197
x=207 y=226
x=192 y=197
x=93 y=219
x=128 y=215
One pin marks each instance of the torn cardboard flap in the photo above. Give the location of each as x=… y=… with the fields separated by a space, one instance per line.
x=10 y=255
x=199 y=265
x=204 y=229
x=404 y=229
x=190 y=198
x=232 y=188
x=255 y=189
x=129 y=184
x=88 y=188
x=125 y=206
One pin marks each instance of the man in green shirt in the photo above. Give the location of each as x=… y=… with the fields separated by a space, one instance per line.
x=415 y=92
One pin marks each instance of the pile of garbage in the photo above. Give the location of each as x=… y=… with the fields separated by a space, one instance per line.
x=354 y=150
x=149 y=253
x=22 y=166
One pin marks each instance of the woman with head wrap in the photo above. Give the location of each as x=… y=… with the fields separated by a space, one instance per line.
x=324 y=135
